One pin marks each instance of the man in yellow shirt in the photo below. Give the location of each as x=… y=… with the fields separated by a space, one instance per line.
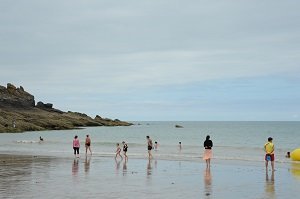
x=269 y=149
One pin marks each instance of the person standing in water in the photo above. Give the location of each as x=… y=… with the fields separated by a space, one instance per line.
x=125 y=148
x=76 y=146
x=208 y=144
x=88 y=144
x=150 y=146
x=118 y=151
x=179 y=146
x=269 y=149
x=155 y=145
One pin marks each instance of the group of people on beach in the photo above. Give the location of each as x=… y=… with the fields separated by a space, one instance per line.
x=76 y=145
x=268 y=148
x=118 y=151
x=208 y=144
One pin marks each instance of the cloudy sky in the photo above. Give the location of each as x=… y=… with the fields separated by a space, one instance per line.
x=156 y=59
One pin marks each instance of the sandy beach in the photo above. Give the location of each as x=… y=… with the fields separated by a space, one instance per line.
x=103 y=177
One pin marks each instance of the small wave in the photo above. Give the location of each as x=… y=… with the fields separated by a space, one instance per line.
x=27 y=141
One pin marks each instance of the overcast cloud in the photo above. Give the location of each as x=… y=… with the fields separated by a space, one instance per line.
x=156 y=60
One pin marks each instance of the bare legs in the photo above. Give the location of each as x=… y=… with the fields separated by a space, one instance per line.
x=88 y=148
x=207 y=163
x=149 y=154
x=272 y=165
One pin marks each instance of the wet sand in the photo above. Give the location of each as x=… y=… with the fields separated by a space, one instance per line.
x=103 y=177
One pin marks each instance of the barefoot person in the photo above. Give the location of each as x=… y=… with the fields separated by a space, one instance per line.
x=208 y=144
x=88 y=144
x=118 y=152
x=150 y=146
x=269 y=149
x=125 y=148
x=76 y=146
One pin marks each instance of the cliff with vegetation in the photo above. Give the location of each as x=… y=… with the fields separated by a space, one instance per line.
x=18 y=113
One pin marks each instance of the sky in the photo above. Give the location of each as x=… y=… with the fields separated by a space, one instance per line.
x=156 y=60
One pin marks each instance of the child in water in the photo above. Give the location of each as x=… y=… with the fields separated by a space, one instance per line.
x=118 y=151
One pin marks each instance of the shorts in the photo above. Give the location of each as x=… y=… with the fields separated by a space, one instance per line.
x=88 y=144
x=269 y=157
x=149 y=148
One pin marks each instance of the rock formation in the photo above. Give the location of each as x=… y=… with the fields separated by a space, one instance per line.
x=15 y=97
x=19 y=113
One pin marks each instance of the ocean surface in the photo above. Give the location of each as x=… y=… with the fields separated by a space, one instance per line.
x=232 y=140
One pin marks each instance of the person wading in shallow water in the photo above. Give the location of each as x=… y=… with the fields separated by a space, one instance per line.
x=208 y=144
x=269 y=149
x=150 y=146
x=125 y=148
x=118 y=152
x=88 y=144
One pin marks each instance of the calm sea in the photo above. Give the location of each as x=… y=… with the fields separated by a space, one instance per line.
x=232 y=140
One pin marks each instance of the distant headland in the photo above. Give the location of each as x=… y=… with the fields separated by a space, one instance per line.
x=19 y=112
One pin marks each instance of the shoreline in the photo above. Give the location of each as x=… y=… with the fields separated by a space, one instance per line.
x=215 y=161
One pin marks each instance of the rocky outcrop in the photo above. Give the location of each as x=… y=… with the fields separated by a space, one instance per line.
x=18 y=113
x=110 y=122
x=15 y=97
x=42 y=105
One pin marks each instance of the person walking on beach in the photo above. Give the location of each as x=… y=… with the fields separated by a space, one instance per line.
x=269 y=149
x=208 y=144
x=76 y=146
x=88 y=144
x=125 y=148
x=150 y=146
x=179 y=146
x=118 y=151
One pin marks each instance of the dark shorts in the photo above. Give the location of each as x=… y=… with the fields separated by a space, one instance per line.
x=269 y=157
x=149 y=148
x=87 y=144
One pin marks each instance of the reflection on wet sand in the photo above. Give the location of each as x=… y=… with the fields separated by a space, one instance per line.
x=149 y=168
x=295 y=170
x=207 y=183
x=124 y=167
x=75 y=167
x=118 y=163
x=87 y=164
x=16 y=171
x=270 y=185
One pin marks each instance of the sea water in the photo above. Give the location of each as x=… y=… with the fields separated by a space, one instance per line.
x=232 y=140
